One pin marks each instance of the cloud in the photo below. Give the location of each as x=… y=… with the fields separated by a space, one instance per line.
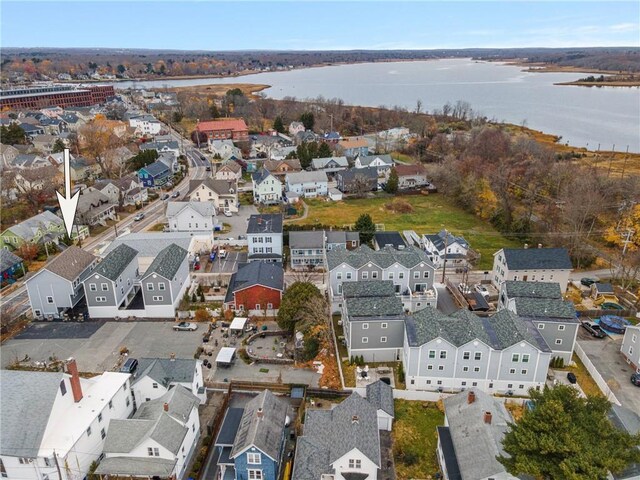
x=624 y=27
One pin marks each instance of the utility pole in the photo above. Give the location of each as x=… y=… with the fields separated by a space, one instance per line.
x=55 y=459
x=624 y=165
x=446 y=244
x=613 y=152
x=627 y=240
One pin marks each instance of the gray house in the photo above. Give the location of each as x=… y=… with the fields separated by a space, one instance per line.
x=109 y=288
x=264 y=236
x=165 y=282
x=380 y=395
x=307 y=249
x=357 y=180
x=631 y=346
x=57 y=287
x=541 y=303
x=373 y=320
x=410 y=270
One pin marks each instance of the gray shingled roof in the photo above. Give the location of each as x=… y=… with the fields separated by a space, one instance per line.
x=385 y=257
x=532 y=289
x=264 y=430
x=156 y=168
x=307 y=239
x=265 y=223
x=149 y=244
x=206 y=209
x=70 y=263
x=25 y=395
x=330 y=434
x=368 y=288
x=221 y=187
x=317 y=176
x=28 y=228
x=116 y=261
x=8 y=259
x=393 y=239
x=443 y=236
x=255 y=273
x=380 y=395
x=167 y=262
x=320 y=163
x=374 y=307
x=136 y=466
x=260 y=176
x=477 y=443
x=545 y=307
x=367 y=159
x=166 y=371
x=537 y=258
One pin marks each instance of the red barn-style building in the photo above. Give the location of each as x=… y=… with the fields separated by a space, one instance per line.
x=225 y=129
x=256 y=288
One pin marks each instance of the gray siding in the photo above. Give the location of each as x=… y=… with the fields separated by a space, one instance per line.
x=151 y=287
x=631 y=346
x=46 y=284
x=394 y=334
x=107 y=290
x=182 y=275
x=553 y=331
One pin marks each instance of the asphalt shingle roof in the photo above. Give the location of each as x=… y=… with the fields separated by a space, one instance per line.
x=28 y=228
x=255 y=273
x=444 y=237
x=321 y=163
x=389 y=238
x=260 y=176
x=166 y=371
x=537 y=258
x=116 y=261
x=306 y=177
x=8 y=259
x=71 y=263
x=374 y=306
x=206 y=209
x=380 y=395
x=156 y=168
x=545 y=307
x=149 y=244
x=367 y=159
x=136 y=466
x=368 y=288
x=221 y=187
x=167 y=262
x=532 y=289
x=385 y=257
x=265 y=223
x=307 y=239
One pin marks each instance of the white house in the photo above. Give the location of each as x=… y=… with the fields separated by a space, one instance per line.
x=264 y=236
x=382 y=162
x=307 y=184
x=56 y=418
x=532 y=265
x=145 y=125
x=156 y=376
x=195 y=217
x=444 y=245
x=225 y=149
x=223 y=193
x=158 y=441
x=267 y=189
x=295 y=127
x=631 y=346
x=380 y=395
x=230 y=171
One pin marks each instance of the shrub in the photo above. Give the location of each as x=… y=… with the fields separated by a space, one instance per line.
x=401 y=373
x=199 y=351
x=197 y=466
x=206 y=440
x=399 y=206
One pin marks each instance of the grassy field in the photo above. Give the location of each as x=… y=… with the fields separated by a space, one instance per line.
x=430 y=214
x=415 y=439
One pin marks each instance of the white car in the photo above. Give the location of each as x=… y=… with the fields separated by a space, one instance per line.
x=185 y=326
x=482 y=290
x=227 y=213
x=222 y=253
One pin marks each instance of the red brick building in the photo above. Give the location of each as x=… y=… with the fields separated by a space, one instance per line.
x=55 y=95
x=225 y=129
x=256 y=289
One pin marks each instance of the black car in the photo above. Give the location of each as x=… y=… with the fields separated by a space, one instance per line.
x=572 y=377
x=129 y=366
x=594 y=329
x=175 y=194
x=635 y=379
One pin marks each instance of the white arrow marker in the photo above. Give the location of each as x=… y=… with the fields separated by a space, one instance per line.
x=68 y=203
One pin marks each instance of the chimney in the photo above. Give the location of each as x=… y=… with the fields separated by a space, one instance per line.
x=166 y=407
x=487 y=418
x=471 y=397
x=259 y=412
x=76 y=388
x=172 y=357
x=539 y=245
x=526 y=245
x=355 y=419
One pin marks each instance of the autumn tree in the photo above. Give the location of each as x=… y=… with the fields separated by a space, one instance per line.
x=360 y=185
x=294 y=298
x=566 y=436
x=486 y=200
x=366 y=227
x=625 y=233
x=96 y=138
x=392 y=182
x=28 y=251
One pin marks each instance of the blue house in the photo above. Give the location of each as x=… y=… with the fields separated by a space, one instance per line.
x=154 y=175
x=11 y=266
x=251 y=441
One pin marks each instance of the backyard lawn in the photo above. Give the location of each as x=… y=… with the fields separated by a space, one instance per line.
x=431 y=213
x=415 y=439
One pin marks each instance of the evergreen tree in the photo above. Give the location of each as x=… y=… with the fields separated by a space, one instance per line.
x=308 y=120
x=278 y=125
x=58 y=146
x=392 y=182
x=324 y=150
x=13 y=135
x=366 y=227
x=297 y=295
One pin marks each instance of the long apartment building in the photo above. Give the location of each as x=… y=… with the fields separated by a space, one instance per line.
x=58 y=95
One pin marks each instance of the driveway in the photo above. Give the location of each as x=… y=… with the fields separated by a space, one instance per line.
x=238 y=221
x=228 y=264
x=446 y=302
x=605 y=355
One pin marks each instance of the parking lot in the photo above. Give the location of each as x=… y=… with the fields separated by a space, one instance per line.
x=96 y=344
x=238 y=221
x=226 y=265
x=610 y=363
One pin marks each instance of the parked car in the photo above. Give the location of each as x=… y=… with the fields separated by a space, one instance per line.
x=208 y=168
x=594 y=329
x=635 y=379
x=175 y=194
x=464 y=288
x=129 y=366
x=138 y=217
x=587 y=282
x=165 y=196
x=185 y=326
x=222 y=253
x=227 y=213
x=482 y=290
x=572 y=378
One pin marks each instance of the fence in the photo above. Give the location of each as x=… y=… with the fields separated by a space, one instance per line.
x=593 y=371
x=600 y=313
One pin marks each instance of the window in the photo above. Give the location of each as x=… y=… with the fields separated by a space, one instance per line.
x=339 y=275
x=561 y=327
x=491 y=385
x=400 y=275
x=127 y=401
x=355 y=463
x=153 y=452
x=93 y=287
x=384 y=325
x=155 y=385
x=383 y=339
x=523 y=371
x=149 y=286
x=515 y=357
x=428 y=382
x=348 y=275
x=253 y=458
x=465 y=369
x=63 y=388
x=466 y=355
x=365 y=275
x=429 y=367
x=464 y=383
x=558 y=341
x=634 y=338
x=541 y=326
x=416 y=274
x=525 y=358
x=443 y=354
x=24 y=460
x=101 y=299
x=49 y=299
x=255 y=474
x=512 y=371
x=365 y=326
x=100 y=417
x=477 y=356
x=439 y=382
x=103 y=434
x=510 y=385
x=476 y=369
x=269 y=306
x=365 y=339
x=110 y=403
x=425 y=274
x=257 y=306
x=432 y=354
x=157 y=298
x=161 y=286
x=104 y=286
x=374 y=274
x=440 y=367
x=89 y=431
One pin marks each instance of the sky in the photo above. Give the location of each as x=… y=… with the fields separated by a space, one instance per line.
x=208 y=25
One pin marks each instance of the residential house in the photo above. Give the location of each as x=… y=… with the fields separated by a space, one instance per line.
x=532 y=265
x=445 y=246
x=162 y=146
x=123 y=191
x=498 y=354
x=353 y=147
x=331 y=137
x=157 y=442
x=8 y=153
x=342 y=239
x=541 y=303
x=156 y=376
x=267 y=189
x=81 y=169
x=388 y=239
x=295 y=127
x=410 y=176
x=230 y=171
x=31 y=130
x=145 y=125
x=264 y=236
x=224 y=149
x=357 y=180
x=31 y=180
x=307 y=184
x=44 y=143
x=57 y=159
x=94 y=208
x=193 y=217
x=410 y=270
x=305 y=137
x=43 y=228
x=225 y=129
x=330 y=164
x=154 y=175
x=223 y=193
x=11 y=266
x=280 y=168
x=29 y=160
x=71 y=122
x=250 y=444
x=373 y=320
x=307 y=249
x=170 y=159
x=382 y=163
x=256 y=289
x=343 y=442
x=57 y=287
x=380 y=395
x=54 y=423
x=631 y=346
x=470 y=440
x=268 y=145
x=52 y=126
